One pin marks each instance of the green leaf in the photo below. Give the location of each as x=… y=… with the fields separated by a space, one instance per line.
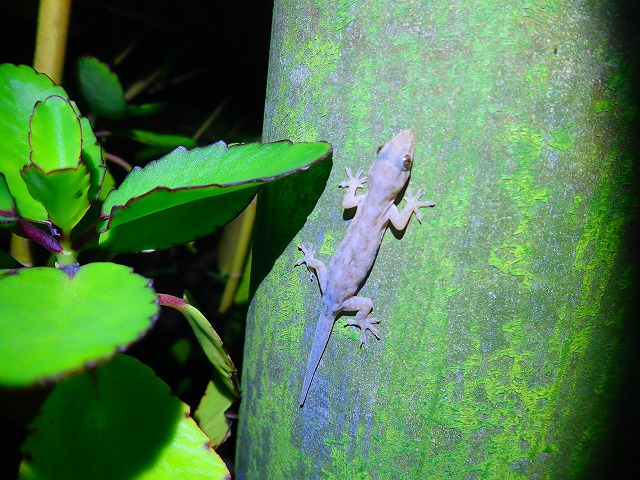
x=211 y=344
x=210 y=414
x=158 y=221
x=146 y=109
x=189 y=193
x=55 y=135
x=108 y=184
x=8 y=214
x=92 y=158
x=56 y=177
x=62 y=192
x=53 y=323
x=166 y=140
x=101 y=89
x=20 y=88
x=119 y=422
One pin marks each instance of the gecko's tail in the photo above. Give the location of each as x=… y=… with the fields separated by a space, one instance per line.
x=320 y=341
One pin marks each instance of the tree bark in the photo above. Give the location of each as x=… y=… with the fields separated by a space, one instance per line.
x=505 y=333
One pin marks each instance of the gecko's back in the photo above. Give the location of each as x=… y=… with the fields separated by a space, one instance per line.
x=356 y=254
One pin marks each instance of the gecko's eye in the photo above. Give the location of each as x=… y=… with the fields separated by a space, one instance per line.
x=407 y=162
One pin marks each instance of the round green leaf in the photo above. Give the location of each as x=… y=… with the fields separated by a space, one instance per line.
x=118 y=422
x=20 y=88
x=53 y=323
x=101 y=89
x=189 y=193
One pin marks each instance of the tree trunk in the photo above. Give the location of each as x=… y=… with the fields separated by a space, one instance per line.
x=504 y=336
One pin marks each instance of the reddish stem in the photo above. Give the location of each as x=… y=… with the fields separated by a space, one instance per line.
x=170 y=301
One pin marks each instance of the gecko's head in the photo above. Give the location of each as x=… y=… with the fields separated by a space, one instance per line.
x=395 y=159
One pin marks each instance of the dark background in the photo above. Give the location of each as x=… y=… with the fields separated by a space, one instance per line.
x=210 y=52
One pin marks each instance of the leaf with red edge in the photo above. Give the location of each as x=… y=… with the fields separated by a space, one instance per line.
x=189 y=193
x=57 y=178
x=21 y=87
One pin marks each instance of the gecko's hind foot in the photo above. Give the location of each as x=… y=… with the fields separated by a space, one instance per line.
x=308 y=252
x=365 y=324
x=316 y=267
x=308 y=257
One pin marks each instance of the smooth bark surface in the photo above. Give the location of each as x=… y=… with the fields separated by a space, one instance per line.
x=505 y=333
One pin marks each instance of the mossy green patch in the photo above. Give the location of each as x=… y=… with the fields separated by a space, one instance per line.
x=601 y=105
x=343 y=464
x=523 y=148
x=538 y=76
x=562 y=139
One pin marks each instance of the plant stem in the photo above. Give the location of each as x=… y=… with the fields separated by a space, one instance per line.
x=241 y=240
x=67 y=256
x=166 y=300
x=51 y=38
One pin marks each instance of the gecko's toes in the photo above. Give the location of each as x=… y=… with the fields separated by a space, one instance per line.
x=363 y=334
x=306 y=248
x=374 y=331
x=365 y=324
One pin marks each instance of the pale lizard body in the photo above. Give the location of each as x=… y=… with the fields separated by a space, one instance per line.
x=356 y=254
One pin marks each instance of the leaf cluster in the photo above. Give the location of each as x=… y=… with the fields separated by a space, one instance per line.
x=67 y=323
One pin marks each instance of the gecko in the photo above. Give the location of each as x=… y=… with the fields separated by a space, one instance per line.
x=352 y=261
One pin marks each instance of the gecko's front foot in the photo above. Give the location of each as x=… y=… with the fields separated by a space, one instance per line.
x=355 y=181
x=414 y=203
x=365 y=324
